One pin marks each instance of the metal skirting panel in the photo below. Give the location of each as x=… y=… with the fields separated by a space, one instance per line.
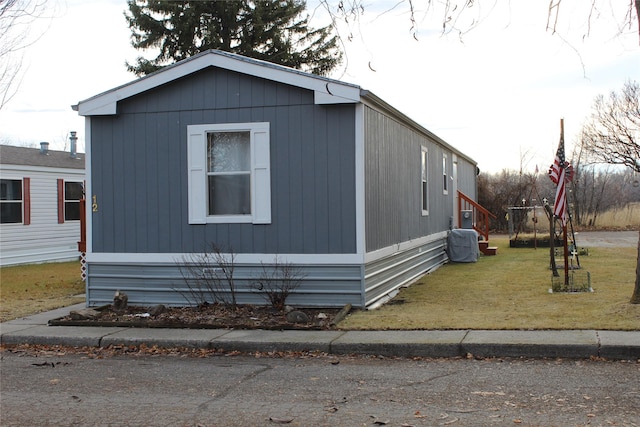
x=152 y=284
x=385 y=275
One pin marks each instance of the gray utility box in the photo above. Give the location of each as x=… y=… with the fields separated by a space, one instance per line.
x=466 y=219
x=462 y=245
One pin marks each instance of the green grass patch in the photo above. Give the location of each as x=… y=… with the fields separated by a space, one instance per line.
x=511 y=291
x=29 y=289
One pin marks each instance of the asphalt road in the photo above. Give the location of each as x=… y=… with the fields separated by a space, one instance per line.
x=607 y=239
x=59 y=388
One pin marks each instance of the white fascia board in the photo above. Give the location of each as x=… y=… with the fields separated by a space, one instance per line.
x=41 y=169
x=173 y=258
x=107 y=102
x=326 y=91
x=323 y=98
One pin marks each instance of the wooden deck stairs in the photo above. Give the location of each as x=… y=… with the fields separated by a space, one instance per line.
x=481 y=217
x=486 y=249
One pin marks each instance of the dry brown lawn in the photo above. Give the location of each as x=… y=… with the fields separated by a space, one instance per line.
x=507 y=291
x=511 y=291
x=29 y=289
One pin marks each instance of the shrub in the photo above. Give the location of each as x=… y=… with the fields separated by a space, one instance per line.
x=277 y=281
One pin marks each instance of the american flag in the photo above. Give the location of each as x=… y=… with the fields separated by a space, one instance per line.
x=557 y=173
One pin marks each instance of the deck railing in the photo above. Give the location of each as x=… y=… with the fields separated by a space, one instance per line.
x=480 y=215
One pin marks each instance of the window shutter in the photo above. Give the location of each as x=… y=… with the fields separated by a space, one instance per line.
x=26 y=200
x=197 y=163
x=261 y=188
x=60 y=201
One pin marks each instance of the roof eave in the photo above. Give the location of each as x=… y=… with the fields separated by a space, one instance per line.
x=326 y=91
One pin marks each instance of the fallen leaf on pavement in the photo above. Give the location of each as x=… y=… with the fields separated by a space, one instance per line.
x=280 y=420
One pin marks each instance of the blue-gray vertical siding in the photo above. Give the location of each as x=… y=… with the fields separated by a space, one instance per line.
x=139 y=168
x=393 y=206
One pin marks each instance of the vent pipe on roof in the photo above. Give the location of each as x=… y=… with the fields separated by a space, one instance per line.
x=44 y=148
x=73 y=139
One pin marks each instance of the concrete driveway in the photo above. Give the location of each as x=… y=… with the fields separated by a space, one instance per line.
x=607 y=239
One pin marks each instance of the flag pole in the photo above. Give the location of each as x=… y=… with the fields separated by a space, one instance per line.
x=564 y=223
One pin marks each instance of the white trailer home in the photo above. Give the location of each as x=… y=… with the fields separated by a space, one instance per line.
x=40 y=204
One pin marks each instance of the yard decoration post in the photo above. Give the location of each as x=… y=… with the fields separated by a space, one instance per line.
x=552 y=238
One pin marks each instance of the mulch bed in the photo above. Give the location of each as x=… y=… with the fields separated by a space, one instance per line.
x=210 y=316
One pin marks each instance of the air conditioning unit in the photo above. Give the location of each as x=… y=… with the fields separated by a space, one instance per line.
x=466 y=219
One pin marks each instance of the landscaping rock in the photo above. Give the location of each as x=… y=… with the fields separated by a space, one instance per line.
x=157 y=310
x=84 y=314
x=120 y=301
x=297 y=316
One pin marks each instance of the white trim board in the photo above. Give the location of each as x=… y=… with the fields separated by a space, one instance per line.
x=307 y=259
x=326 y=91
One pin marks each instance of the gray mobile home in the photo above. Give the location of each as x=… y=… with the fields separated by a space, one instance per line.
x=268 y=161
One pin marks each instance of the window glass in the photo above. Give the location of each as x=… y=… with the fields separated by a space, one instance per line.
x=72 y=196
x=229 y=151
x=10 y=201
x=425 y=187
x=445 y=181
x=229 y=173
x=229 y=195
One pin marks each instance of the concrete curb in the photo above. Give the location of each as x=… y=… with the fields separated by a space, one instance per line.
x=574 y=344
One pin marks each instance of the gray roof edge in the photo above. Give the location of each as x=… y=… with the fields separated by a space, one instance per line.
x=26 y=156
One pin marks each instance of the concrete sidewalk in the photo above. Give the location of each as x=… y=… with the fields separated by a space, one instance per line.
x=578 y=344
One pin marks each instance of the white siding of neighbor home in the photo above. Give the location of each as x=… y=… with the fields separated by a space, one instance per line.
x=44 y=240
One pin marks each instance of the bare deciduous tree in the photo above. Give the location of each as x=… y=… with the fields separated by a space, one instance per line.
x=16 y=34
x=461 y=16
x=612 y=133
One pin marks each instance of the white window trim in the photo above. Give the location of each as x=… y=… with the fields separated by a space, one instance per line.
x=424 y=178
x=65 y=200
x=445 y=175
x=260 y=173
x=20 y=202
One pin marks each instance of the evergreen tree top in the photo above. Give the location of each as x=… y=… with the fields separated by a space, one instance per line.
x=273 y=31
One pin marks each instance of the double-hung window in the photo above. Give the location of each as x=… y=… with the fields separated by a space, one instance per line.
x=72 y=195
x=424 y=184
x=229 y=173
x=11 y=201
x=69 y=195
x=445 y=175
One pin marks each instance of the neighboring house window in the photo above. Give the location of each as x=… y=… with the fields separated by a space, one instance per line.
x=424 y=157
x=11 y=200
x=229 y=173
x=69 y=195
x=445 y=175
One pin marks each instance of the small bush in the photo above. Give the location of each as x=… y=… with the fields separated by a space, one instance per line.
x=277 y=281
x=209 y=277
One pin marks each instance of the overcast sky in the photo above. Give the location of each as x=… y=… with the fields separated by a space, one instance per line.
x=497 y=93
